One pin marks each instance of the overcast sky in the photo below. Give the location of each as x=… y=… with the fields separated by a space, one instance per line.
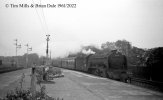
x=92 y=22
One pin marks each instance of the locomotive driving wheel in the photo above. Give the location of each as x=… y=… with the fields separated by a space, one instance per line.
x=96 y=72
x=124 y=78
x=110 y=75
x=104 y=73
x=128 y=80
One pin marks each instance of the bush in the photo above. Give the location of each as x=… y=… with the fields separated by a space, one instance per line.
x=21 y=94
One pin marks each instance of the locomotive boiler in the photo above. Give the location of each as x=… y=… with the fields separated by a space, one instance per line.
x=112 y=65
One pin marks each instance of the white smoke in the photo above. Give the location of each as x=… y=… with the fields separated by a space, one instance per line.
x=87 y=52
x=63 y=49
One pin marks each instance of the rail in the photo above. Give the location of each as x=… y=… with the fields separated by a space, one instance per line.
x=149 y=83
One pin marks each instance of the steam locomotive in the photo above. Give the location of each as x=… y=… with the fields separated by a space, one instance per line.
x=113 y=65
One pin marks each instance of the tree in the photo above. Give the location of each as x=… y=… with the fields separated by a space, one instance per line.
x=123 y=46
x=42 y=60
x=136 y=56
x=33 y=58
x=108 y=46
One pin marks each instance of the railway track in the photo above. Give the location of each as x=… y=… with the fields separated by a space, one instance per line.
x=9 y=69
x=147 y=83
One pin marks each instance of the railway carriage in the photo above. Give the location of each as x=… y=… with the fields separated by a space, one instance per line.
x=68 y=63
x=81 y=63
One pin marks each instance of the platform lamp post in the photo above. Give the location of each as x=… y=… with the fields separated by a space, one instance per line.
x=17 y=47
x=28 y=49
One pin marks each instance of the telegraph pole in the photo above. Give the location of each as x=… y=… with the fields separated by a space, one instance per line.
x=28 y=49
x=47 y=39
x=50 y=54
x=17 y=47
x=16 y=40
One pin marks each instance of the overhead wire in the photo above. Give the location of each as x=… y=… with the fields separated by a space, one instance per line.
x=40 y=19
x=44 y=17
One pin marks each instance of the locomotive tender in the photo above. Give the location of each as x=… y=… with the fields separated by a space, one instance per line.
x=113 y=65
